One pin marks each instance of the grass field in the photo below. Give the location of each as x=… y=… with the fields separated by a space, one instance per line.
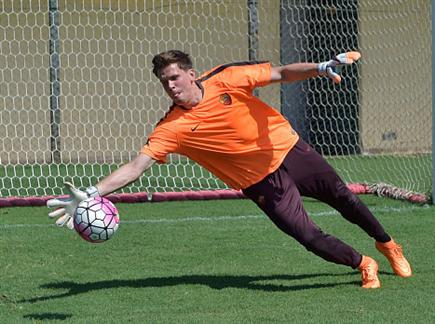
x=208 y=262
x=412 y=172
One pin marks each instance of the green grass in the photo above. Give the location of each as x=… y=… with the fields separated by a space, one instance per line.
x=409 y=171
x=412 y=172
x=43 y=179
x=208 y=262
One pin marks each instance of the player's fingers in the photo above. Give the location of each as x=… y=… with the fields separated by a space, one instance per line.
x=353 y=56
x=348 y=57
x=57 y=213
x=75 y=193
x=62 y=220
x=333 y=75
x=70 y=223
x=58 y=202
x=70 y=188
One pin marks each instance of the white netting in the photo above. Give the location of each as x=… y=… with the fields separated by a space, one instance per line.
x=77 y=96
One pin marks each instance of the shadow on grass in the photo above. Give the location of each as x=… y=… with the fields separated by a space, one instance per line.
x=258 y=283
x=48 y=317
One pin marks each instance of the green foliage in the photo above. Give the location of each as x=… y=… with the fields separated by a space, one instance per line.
x=208 y=262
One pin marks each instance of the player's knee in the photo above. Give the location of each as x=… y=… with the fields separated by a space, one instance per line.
x=312 y=240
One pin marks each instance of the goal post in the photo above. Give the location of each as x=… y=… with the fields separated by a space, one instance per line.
x=78 y=99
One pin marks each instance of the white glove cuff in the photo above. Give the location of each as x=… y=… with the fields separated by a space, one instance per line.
x=321 y=67
x=92 y=192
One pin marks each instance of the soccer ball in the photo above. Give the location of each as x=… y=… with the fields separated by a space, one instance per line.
x=96 y=219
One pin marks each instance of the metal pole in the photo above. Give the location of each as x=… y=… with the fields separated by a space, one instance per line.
x=253 y=29
x=54 y=81
x=253 y=32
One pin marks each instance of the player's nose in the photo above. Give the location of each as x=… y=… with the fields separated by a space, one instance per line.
x=171 y=84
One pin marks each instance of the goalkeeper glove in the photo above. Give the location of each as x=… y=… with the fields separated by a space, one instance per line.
x=65 y=207
x=329 y=68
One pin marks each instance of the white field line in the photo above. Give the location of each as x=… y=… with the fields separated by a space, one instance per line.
x=219 y=218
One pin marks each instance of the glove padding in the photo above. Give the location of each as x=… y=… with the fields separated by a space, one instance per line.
x=329 y=68
x=65 y=207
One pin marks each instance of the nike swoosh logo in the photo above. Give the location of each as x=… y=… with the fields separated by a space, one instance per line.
x=194 y=128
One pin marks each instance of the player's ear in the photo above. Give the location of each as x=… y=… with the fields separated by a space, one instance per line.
x=192 y=73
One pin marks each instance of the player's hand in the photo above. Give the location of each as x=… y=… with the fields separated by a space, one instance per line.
x=65 y=207
x=329 y=68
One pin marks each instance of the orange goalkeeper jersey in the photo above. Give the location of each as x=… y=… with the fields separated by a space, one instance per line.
x=232 y=133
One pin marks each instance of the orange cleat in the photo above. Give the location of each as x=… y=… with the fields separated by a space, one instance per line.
x=369 y=273
x=393 y=252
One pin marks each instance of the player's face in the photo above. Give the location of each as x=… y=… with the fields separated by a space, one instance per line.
x=178 y=83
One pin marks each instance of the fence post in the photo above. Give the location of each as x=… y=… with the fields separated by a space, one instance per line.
x=54 y=81
x=253 y=32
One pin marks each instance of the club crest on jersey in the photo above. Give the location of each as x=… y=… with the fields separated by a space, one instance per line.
x=225 y=99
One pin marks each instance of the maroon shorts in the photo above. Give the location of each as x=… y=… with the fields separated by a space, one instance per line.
x=304 y=172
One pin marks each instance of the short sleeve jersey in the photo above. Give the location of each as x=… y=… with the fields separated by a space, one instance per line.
x=232 y=133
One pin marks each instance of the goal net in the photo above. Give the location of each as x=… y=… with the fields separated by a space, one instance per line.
x=78 y=99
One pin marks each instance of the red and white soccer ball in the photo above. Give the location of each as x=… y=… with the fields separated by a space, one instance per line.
x=96 y=219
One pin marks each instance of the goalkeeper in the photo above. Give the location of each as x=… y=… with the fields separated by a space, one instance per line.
x=216 y=121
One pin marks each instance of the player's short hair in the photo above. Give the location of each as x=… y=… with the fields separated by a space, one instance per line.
x=162 y=60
